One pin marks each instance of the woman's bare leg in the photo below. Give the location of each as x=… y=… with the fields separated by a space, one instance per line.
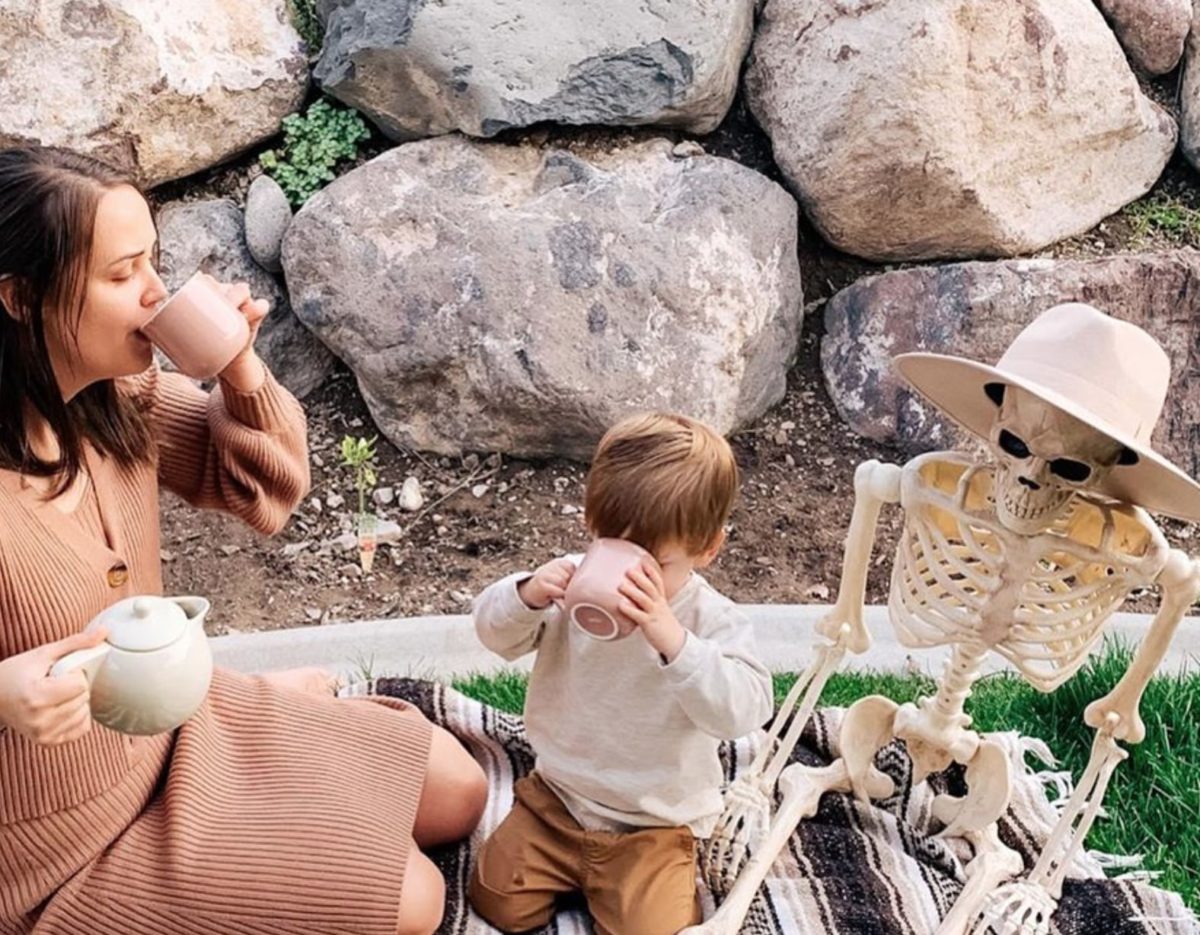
x=422 y=898
x=454 y=795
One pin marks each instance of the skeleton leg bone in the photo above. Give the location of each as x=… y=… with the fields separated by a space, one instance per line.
x=1026 y=906
x=993 y=863
x=802 y=788
x=974 y=816
x=866 y=727
x=744 y=821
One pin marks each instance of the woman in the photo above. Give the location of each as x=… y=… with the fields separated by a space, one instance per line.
x=276 y=808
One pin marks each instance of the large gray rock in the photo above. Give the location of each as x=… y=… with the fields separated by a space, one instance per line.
x=208 y=235
x=1189 y=99
x=506 y=298
x=162 y=90
x=422 y=69
x=976 y=309
x=914 y=129
x=1152 y=31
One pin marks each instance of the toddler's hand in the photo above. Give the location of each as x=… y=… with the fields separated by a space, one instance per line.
x=645 y=603
x=549 y=583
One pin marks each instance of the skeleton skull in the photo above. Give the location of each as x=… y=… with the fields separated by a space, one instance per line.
x=1044 y=458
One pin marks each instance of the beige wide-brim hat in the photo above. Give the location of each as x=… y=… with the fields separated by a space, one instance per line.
x=1105 y=372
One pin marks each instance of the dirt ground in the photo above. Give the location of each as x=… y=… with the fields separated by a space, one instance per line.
x=486 y=516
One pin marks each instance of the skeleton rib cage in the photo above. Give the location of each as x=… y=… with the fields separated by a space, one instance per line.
x=1040 y=601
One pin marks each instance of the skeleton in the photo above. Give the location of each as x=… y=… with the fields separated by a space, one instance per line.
x=1017 y=553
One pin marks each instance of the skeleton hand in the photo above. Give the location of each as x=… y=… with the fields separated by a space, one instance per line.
x=1017 y=909
x=739 y=830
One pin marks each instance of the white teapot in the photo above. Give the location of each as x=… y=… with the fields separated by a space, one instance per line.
x=153 y=671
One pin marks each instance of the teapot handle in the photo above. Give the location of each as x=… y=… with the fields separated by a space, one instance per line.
x=86 y=660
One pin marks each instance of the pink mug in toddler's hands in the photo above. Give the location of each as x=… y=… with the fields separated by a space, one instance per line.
x=592 y=600
x=199 y=329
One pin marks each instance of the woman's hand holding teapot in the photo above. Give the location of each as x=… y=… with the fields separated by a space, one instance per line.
x=49 y=710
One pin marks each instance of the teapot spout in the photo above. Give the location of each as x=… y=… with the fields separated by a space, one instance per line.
x=196 y=608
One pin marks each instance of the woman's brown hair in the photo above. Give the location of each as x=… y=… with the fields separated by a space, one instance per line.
x=48 y=201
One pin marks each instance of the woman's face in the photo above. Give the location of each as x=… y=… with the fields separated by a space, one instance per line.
x=122 y=292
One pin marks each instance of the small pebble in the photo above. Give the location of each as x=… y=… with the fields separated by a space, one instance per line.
x=411 y=498
x=292 y=549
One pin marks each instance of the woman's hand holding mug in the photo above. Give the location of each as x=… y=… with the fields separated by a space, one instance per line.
x=208 y=328
x=245 y=372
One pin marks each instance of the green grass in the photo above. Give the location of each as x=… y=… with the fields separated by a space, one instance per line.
x=1153 y=801
x=1166 y=216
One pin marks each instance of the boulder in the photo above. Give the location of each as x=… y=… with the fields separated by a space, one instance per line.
x=423 y=69
x=913 y=129
x=160 y=90
x=976 y=309
x=1152 y=31
x=514 y=299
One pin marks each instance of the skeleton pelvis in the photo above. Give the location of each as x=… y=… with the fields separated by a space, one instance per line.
x=934 y=740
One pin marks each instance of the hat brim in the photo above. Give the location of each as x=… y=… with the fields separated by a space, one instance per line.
x=956 y=385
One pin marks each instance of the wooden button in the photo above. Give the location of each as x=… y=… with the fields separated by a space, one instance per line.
x=117 y=576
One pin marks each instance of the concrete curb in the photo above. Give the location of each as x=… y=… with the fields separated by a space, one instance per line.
x=442 y=647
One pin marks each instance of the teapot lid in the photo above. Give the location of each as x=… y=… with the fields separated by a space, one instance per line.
x=143 y=624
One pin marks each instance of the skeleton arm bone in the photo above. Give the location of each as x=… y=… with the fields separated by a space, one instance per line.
x=1179 y=581
x=875 y=484
x=1115 y=717
x=744 y=821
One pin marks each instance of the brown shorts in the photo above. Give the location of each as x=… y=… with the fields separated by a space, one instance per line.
x=635 y=883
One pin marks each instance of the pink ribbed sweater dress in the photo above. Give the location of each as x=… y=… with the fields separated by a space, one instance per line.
x=269 y=811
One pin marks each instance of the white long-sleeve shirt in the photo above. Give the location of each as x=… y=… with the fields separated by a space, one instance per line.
x=625 y=740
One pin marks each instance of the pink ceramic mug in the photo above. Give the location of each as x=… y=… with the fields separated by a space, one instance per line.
x=199 y=329
x=592 y=600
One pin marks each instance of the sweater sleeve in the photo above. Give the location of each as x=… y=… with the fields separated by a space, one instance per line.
x=718 y=680
x=244 y=453
x=504 y=623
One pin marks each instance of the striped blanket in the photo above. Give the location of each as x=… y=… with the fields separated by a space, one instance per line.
x=866 y=870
